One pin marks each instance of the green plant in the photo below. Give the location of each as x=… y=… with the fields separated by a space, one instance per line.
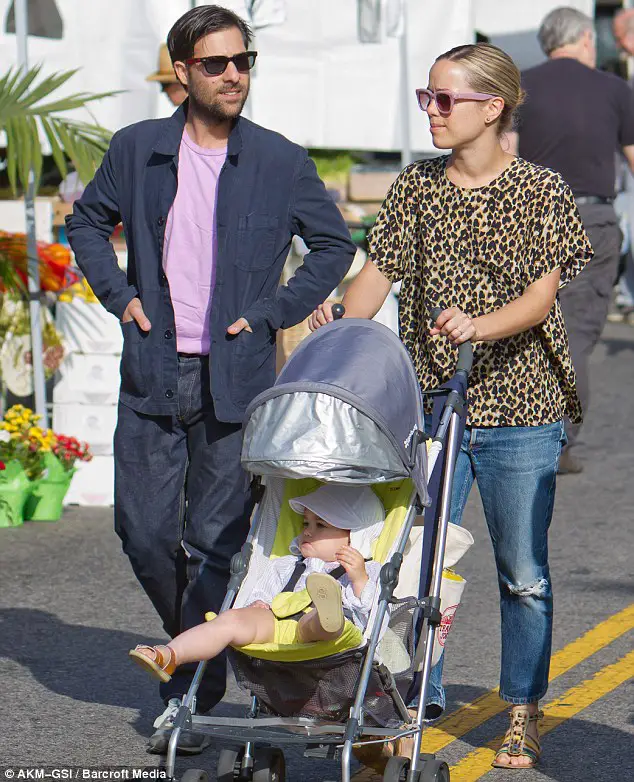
x=25 y=112
x=22 y=440
x=333 y=165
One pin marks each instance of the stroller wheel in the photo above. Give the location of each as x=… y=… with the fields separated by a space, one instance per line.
x=269 y=765
x=434 y=771
x=228 y=766
x=195 y=775
x=396 y=769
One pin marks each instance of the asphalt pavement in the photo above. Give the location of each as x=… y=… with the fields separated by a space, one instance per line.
x=70 y=609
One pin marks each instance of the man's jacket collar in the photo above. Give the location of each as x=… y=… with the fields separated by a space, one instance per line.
x=169 y=140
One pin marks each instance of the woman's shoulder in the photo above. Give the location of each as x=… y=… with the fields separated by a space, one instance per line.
x=539 y=179
x=426 y=170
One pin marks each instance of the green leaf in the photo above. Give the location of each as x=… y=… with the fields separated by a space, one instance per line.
x=58 y=153
x=25 y=104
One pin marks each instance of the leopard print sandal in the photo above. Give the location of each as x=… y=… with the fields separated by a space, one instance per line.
x=516 y=741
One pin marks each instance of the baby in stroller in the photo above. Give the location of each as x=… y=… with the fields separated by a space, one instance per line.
x=322 y=591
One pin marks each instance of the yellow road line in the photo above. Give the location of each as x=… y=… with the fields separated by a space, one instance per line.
x=473 y=714
x=478 y=763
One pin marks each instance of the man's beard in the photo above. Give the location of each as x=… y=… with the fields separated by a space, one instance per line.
x=216 y=111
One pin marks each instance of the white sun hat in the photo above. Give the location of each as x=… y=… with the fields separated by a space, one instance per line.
x=356 y=508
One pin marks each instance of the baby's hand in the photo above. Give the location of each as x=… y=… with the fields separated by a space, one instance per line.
x=354 y=565
x=260 y=604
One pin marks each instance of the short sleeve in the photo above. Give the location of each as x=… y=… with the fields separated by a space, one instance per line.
x=626 y=115
x=391 y=238
x=560 y=238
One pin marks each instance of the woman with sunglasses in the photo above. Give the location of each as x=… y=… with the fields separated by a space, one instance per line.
x=488 y=238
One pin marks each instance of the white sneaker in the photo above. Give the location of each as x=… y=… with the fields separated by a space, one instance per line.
x=165 y=719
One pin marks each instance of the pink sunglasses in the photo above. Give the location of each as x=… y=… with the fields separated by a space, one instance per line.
x=445 y=99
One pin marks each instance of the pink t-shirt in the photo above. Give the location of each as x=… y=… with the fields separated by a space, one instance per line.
x=189 y=251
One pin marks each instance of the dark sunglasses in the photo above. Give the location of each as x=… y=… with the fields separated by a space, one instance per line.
x=445 y=99
x=214 y=66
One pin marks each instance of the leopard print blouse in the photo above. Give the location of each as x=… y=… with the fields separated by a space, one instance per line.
x=479 y=249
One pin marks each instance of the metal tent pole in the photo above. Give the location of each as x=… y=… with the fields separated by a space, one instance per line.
x=39 y=380
x=406 y=150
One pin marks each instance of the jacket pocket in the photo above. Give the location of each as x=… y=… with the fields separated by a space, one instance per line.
x=132 y=380
x=256 y=241
x=253 y=366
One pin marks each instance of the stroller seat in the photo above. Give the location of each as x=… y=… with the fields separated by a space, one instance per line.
x=280 y=524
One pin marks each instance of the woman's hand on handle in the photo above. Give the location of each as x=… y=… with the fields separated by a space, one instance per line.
x=363 y=299
x=456 y=325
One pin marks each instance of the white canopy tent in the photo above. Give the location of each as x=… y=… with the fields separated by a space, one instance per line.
x=315 y=82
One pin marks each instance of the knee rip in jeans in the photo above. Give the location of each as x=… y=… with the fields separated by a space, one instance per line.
x=539 y=588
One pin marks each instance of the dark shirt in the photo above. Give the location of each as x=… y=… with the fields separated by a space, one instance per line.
x=268 y=191
x=573 y=121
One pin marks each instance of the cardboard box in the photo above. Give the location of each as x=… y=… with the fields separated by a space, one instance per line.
x=60 y=210
x=369 y=184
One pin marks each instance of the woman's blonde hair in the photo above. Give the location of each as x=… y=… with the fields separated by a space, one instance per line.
x=491 y=70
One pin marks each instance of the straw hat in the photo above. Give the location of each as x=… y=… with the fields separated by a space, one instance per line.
x=165 y=73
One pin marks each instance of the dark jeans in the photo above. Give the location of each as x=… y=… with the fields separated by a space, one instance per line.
x=182 y=509
x=586 y=299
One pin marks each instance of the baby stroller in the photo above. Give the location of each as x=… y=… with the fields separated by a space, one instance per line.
x=347 y=409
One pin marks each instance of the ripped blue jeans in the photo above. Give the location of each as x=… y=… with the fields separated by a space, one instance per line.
x=515 y=468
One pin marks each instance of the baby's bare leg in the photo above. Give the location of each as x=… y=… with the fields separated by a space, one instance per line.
x=236 y=627
x=309 y=629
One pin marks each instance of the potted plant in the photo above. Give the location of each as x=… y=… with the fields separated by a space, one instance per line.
x=46 y=499
x=22 y=445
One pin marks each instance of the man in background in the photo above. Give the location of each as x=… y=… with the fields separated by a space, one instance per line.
x=575 y=120
x=166 y=77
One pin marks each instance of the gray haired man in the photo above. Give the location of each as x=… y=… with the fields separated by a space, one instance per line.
x=574 y=121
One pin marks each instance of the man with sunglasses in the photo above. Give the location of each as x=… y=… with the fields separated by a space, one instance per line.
x=209 y=204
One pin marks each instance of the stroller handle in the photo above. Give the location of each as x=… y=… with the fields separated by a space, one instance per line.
x=465 y=351
x=338 y=311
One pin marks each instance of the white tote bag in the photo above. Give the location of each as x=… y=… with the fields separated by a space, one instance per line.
x=459 y=541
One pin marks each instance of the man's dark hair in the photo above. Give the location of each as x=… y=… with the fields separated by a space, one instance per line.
x=198 y=23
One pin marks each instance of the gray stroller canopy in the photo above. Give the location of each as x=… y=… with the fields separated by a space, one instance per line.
x=346 y=408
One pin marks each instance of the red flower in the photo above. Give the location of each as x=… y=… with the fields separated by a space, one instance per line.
x=3 y=466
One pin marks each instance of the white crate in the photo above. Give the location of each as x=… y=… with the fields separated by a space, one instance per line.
x=93 y=423
x=13 y=217
x=93 y=483
x=88 y=328
x=90 y=379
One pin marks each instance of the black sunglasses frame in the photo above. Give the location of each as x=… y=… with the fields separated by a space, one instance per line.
x=243 y=61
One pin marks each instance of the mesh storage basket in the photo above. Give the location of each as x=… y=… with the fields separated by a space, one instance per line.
x=326 y=688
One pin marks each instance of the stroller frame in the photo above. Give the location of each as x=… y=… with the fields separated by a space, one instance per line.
x=321 y=738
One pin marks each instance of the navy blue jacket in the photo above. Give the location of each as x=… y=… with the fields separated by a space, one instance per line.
x=268 y=191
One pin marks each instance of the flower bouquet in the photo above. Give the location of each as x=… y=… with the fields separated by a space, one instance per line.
x=23 y=445
x=16 y=361
x=46 y=499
